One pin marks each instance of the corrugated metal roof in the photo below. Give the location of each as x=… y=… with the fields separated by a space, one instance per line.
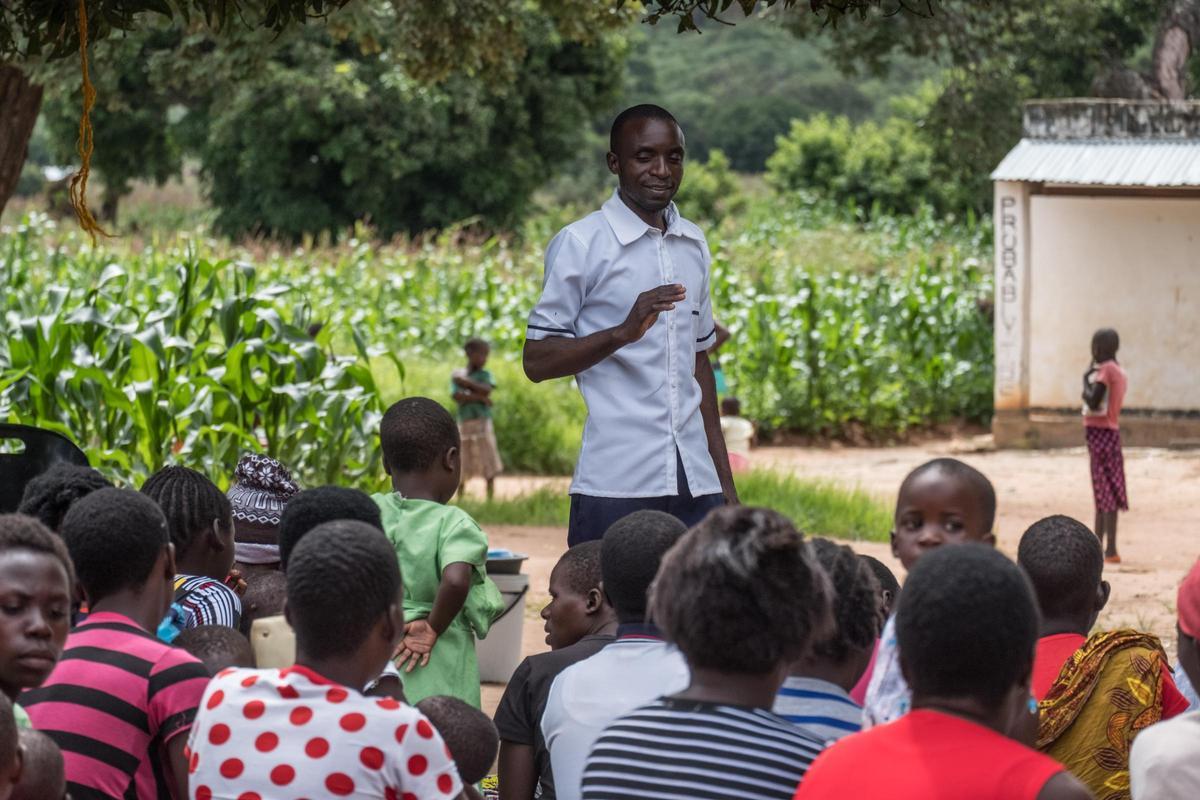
x=1103 y=162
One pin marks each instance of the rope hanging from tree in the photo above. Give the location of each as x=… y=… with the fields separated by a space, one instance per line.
x=84 y=144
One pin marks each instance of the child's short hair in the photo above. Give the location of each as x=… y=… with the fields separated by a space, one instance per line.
x=265 y=593
x=114 y=536
x=43 y=773
x=1064 y=562
x=630 y=552
x=967 y=624
x=341 y=577
x=855 y=601
x=49 y=495
x=415 y=433
x=189 y=501
x=475 y=344
x=469 y=735
x=22 y=532
x=581 y=567
x=984 y=492
x=740 y=592
x=312 y=507
x=731 y=407
x=217 y=646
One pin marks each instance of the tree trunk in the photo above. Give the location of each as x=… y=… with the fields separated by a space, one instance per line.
x=1178 y=38
x=20 y=102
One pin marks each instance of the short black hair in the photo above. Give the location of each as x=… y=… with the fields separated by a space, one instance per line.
x=341 y=577
x=217 y=646
x=741 y=592
x=630 y=552
x=476 y=344
x=643 y=111
x=22 y=532
x=312 y=507
x=985 y=493
x=887 y=578
x=855 y=601
x=581 y=567
x=468 y=733
x=1064 y=562
x=967 y=624
x=265 y=593
x=415 y=433
x=190 y=502
x=1107 y=341
x=114 y=537
x=43 y=771
x=49 y=495
x=731 y=406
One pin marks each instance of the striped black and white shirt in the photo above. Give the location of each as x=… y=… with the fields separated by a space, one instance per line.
x=689 y=750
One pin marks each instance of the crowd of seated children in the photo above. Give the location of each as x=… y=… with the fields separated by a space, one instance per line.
x=579 y=622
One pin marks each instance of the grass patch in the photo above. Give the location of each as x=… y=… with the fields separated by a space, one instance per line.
x=818 y=508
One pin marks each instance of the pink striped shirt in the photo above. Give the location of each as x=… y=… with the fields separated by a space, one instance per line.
x=113 y=702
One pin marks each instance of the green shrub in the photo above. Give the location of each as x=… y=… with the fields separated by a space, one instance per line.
x=710 y=191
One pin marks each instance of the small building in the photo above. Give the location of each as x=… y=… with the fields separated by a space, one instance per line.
x=1097 y=221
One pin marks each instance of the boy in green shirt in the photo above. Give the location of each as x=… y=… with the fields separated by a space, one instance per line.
x=472 y=390
x=448 y=598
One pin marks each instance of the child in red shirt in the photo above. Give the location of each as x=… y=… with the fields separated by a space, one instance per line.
x=1104 y=385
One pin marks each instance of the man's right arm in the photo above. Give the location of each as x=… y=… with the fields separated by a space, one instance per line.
x=561 y=356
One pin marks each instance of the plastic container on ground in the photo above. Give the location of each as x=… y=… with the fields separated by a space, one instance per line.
x=500 y=653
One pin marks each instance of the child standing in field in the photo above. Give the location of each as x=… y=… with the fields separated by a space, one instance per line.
x=1104 y=386
x=448 y=597
x=472 y=389
x=738 y=433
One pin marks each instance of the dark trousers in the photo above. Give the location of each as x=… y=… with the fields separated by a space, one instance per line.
x=592 y=516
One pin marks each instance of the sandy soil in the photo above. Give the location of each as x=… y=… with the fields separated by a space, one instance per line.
x=1158 y=539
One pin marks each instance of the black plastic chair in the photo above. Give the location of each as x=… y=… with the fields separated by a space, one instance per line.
x=42 y=450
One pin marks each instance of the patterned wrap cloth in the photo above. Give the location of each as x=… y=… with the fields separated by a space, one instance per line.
x=1107 y=692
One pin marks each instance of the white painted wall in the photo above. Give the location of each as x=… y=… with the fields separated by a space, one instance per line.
x=1128 y=263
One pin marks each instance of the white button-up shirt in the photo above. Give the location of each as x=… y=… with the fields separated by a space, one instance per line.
x=643 y=401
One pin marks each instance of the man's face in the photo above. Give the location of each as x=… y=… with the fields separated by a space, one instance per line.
x=648 y=162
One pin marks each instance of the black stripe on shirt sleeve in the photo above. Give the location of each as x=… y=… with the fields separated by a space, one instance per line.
x=563 y=331
x=176 y=674
x=703 y=339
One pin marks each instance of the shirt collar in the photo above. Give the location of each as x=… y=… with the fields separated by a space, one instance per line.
x=639 y=630
x=629 y=227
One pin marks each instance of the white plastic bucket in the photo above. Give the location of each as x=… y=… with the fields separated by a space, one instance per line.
x=500 y=653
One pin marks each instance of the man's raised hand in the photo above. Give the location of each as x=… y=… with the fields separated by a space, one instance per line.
x=647 y=307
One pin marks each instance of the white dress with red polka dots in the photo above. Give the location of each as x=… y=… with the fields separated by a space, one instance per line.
x=288 y=734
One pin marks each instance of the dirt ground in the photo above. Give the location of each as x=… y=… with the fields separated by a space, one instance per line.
x=1158 y=540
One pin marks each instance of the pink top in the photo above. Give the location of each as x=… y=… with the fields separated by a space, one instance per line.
x=1114 y=378
x=859 y=692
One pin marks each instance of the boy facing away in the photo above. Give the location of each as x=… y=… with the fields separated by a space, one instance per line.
x=472 y=390
x=941 y=502
x=448 y=598
x=1104 y=385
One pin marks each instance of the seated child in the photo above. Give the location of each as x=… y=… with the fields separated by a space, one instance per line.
x=635 y=669
x=217 y=647
x=201 y=526
x=967 y=626
x=1085 y=685
x=43 y=775
x=1165 y=762
x=50 y=495
x=10 y=750
x=261 y=488
x=889 y=594
x=448 y=598
x=579 y=622
x=815 y=695
x=308 y=730
x=467 y=731
x=472 y=390
x=941 y=502
x=36 y=588
x=738 y=433
x=120 y=702
x=742 y=597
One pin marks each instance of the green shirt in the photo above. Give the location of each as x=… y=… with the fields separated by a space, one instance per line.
x=428 y=537
x=468 y=411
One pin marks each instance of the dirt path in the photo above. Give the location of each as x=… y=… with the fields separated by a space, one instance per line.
x=1159 y=540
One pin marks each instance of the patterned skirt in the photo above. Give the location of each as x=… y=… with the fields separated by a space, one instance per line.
x=480 y=453
x=1108 y=469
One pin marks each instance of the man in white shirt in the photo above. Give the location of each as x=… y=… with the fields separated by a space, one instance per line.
x=637 y=668
x=625 y=308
